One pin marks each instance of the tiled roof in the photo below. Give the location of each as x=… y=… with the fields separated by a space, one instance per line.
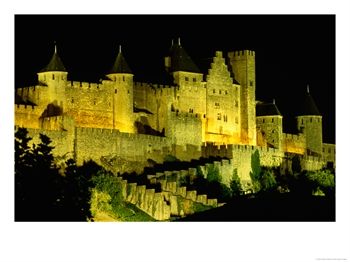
x=267 y=109
x=120 y=65
x=181 y=61
x=55 y=64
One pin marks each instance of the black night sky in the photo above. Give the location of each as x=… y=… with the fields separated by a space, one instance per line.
x=291 y=50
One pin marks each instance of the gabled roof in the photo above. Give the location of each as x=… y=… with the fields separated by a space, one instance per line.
x=120 y=65
x=267 y=109
x=308 y=106
x=55 y=64
x=180 y=60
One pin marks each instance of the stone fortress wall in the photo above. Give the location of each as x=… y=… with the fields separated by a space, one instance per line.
x=215 y=117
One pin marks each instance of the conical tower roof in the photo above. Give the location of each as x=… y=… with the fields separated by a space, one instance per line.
x=180 y=60
x=120 y=65
x=55 y=64
x=267 y=109
x=308 y=106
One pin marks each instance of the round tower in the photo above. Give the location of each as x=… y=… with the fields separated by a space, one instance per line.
x=269 y=122
x=54 y=77
x=309 y=122
x=243 y=67
x=122 y=83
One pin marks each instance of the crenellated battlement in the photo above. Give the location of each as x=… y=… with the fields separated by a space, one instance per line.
x=186 y=115
x=86 y=85
x=102 y=132
x=241 y=53
x=26 y=109
x=293 y=136
x=155 y=88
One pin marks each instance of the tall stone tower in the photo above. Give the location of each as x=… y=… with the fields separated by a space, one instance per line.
x=223 y=95
x=122 y=85
x=309 y=122
x=269 y=123
x=54 y=76
x=243 y=67
x=190 y=91
x=190 y=94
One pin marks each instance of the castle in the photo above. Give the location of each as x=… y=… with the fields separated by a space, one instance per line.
x=125 y=124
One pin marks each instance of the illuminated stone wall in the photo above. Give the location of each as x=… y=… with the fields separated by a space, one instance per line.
x=223 y=104
x=93 y=143
x=311 y=127
x=293 y=143
x=190 y=96
x=271 y=129
x=329 y=153
x=184 y=128
x=158 y=100
x=27 y=116
x=62 y=141
x=243 y=66
x=90 y=104
x=240 y=159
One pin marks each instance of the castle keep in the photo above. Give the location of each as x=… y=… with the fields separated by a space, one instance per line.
x=124 y=124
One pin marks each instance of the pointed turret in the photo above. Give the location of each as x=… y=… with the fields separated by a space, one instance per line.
x=308 y=106
x=55 y=63
x=120 y=65
x=180 y=60
x=309 y=122
x=269 y=123
x=122 y=83
x=54 y=72
x=267 y=109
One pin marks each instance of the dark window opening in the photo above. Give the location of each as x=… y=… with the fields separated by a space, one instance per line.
x=53 y=77
x=251 y=83
x=186 y=78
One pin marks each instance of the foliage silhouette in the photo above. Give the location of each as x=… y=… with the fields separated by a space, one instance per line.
x=235 y=184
